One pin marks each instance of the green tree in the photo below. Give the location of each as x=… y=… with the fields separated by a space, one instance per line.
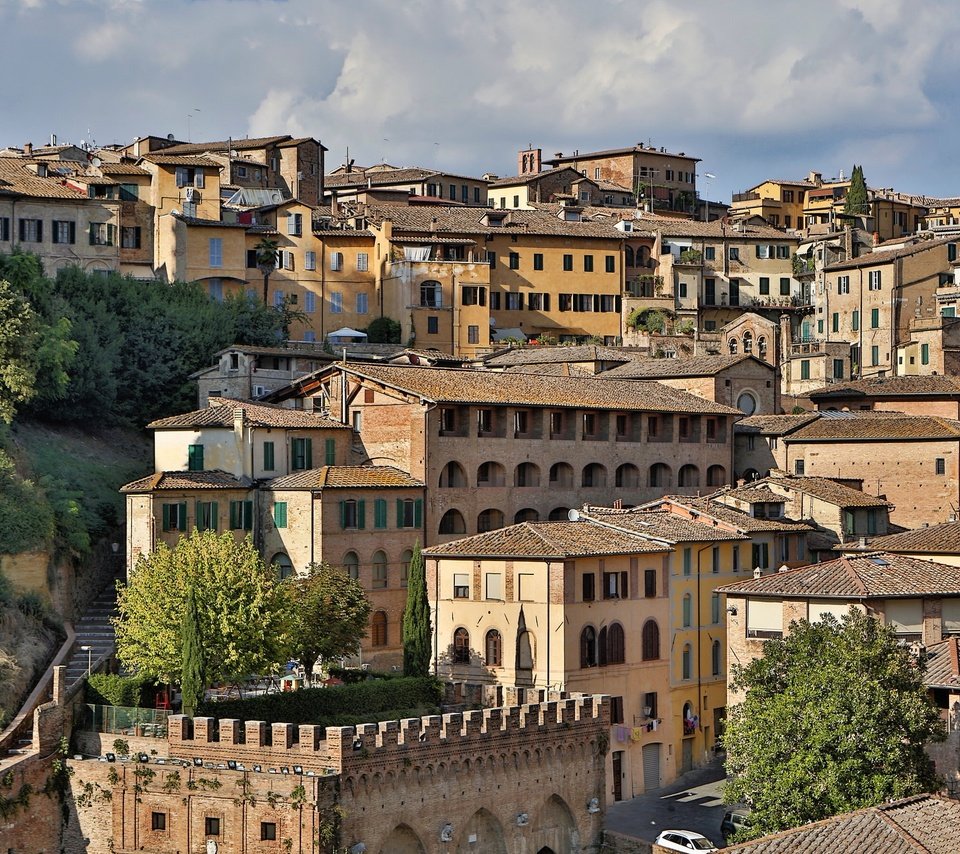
x=331 y=613
x=856 y=204
x=416 y=619
x=243 y=609
x=18 y=342
x=383 y=330
x=266 y=251
x=192 y=680
x=835 y=718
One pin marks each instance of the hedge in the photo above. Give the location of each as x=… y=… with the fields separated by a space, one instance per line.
x=340 y=705
x=108 y=689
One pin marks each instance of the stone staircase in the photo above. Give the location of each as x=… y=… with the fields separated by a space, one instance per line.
x=95 y=631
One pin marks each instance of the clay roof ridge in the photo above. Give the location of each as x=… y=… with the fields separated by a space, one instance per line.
x=898 y=828
x=854 y=576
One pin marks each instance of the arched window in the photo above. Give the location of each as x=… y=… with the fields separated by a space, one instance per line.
x=628 y=475
x=747 y=403
x=490 y=474
x=351 y=563
x=453 y=476
x=628 y=255
x=716 y=476
x=715 y=658
x=616 y=645
x=559 y=514
x=452 y=523
x=747 y=343
x=461 y=646
x=526 y=474
x=561 y=475
x=405 y=557
x=660 y=475
x=650 y=641
x=489 y=520
x=378 y=628
x=687 y=610
x=689 y=475
x=687 y=663
x=379 y=570
x=493 y=647
x=594 y=475
x=588 y=647
x=733 y=346
x=431 y=294
x=762 y=347
x=528 y=514
x=751 y=474
x=283 y=564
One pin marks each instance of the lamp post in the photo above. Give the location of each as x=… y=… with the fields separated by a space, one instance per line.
x=89 y=651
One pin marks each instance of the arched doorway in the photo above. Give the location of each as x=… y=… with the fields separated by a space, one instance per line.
x=482 y=833
x=402 y=840
x=556 y=831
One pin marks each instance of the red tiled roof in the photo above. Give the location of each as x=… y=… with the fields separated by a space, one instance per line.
x=346 y=477
x=210 y=479
x=220 y=413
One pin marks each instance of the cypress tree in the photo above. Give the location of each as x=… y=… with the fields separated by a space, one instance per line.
x=857 y=203
x=192 y=674
x=416 y=619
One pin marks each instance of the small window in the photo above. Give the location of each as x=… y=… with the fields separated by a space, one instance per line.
x=433 y=325
x=941 y=466
x=616 y=710
x=568 y=263
x=537 y=260
x=158 y=821
x=649 y=583
x=461 y=646
x=195 y=457
x=211 y=826
x=268 y=831
x=494 y=586
x=461 y=585
x=798 y=467
x=280 y=514
x=589 y=587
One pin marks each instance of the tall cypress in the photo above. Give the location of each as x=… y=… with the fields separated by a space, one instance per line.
x=192 y=675
x=416 y=619
x=857 y=201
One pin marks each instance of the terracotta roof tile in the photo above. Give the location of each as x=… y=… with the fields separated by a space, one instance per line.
x=872 y=575
x=827 y=490
x=220 y=413
x=857 y=426
x=15 y=177
x=732 y=516
x=935 y=539
x=774 y=425
x=693 y=366
x=548 y=539
x=225 y=144
x=210 y=479
x=883 y=256
x=163 y=159
x=661 y=524
x=537 y=355
x=891 y=387
x=933 y=821
x=943 y=665
x=346 y=477
x=452 y=385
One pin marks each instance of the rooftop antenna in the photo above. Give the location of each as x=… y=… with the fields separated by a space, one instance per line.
x=383 y=157
x=190 y=116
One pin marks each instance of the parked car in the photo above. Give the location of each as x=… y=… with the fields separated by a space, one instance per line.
x=734 y=820
x=684 y=840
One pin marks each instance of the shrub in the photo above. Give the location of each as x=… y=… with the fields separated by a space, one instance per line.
x=108 y=689
x=383 y=330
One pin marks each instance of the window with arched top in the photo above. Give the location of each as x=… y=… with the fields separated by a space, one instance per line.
x=489 y=520
x=431 y=294
x=559 y=514
x=660 y=475
x=452 y=476
x=351 y=563
x=526 y=474
x=628 y=255
x=687 y=610
x=716 y=476
x=528 y=514
x=762 y=347
x=405 y=557
x=378 y=628
x=594 y=474
x=461 y=646
x=379 y=570
x=452 y=522
x=628 y=476
x=747 y=342
x=493 y=648
x=650 y=641
x=561 y=475
x=689 y=475
x=616 y=644
x=283 y=564
x=588 y=647
x=732 y=344
x=490 y=474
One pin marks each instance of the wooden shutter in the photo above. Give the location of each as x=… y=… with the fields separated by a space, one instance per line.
x=236 y=512
x=308 y=453
x=247 y=515
x=624 y=592
x=399 y=512
x=418 y=513
x=214 y=515
x=343 y=515
x=73 y=233
x=182 y=521
x=361 y=514
x=330 y=452
x=198 y=510
x=166 y=517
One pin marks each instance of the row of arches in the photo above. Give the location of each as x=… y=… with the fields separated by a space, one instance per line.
x=379 y=573
x=453 y=521
x=598 y=649
x=747 y=339
x=493 y=652
x=562 y=475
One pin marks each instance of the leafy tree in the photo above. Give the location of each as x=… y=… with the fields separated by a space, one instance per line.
x=416 y=619
x=243 y=610
x=18 y=340
x=192 y=680
x=266 y=251
x=383 y=330
x=856 y=204
x=331 y=612
x=835 y=718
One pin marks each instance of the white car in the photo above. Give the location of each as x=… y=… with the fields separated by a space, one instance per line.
x=684 y=840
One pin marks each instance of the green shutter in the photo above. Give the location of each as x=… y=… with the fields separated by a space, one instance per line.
x=380 y=513
x=418 y=513
x=280 y=514
x=235 y=512
x=183 y=516
x=268 y=456
x=198 y=518
x=399 y=512
x=361 y=514
x=93 y=234
x=308 y=453
x=214 y=515
x=166 y=517
x=247 y=518
x=343 y=515
x=330 y=452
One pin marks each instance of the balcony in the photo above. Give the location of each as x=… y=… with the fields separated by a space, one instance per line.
x=746 y=197
x=806 y=348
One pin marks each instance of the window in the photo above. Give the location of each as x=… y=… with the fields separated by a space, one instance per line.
x=760 y=555
x=616 y=645
x=65 y=232
x=336 y=302
x=650 y=641
x=873 y=280
x=268 y=458
x=924 y=354
x=379 y=570
x=473 y=334
x=736 y=558
x=353 y=514
x=309 y=260
x=709 y=253
x=784 y=287
x=207 y=512
x=764 y=285
x=610 y=264
x=194 y=457
x=461 y=646
x=5 y=228
x=129 y=237
x=687 y=610
x=733 y=253
x=685 y=667
x=484 y=420
x=175 y=517
x=278 y=299
x=516 y=201
x=514 y=260
x=874 y=318
x=215 y=249
x=158 y=821
x=433 y=325
x=838 y=369
x=616 y=710
x=716 y=658
x=431 y=294
x=31 y=230
x=798 y=467
x=336 y=261
x=268 y=831
x=461 y=585
x=295 y=224
x=472 y=295
x=301 y=454
x=351 y=563
x=513 y=302
x=409 y=512
x=615 y=585
x=649 y=583
x=363 y=262
x=589 y=587
x=843 y=284
x=587 y=263
x=102 y=234
x=493 y=648
x=941 y=466
x=211 y=825
x=280 y=514
x=715 y=609
x=588 y=647
x=715 y=559
x=874 y=355
x=835 y=322
x=568 y=263
x=287 y=260
x=241 y=515
x=650 y=704
x=855 y=321
x=362 y=303
x=687 y=560
x=379 y=513
x=494 y=586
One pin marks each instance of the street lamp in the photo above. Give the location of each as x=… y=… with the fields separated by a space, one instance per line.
x=89 y=651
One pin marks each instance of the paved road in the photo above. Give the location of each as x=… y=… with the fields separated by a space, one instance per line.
x=692 y=803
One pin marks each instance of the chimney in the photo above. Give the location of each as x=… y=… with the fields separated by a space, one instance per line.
x=334 y=204
x=618 y=504
x=876 y=238
x=741 y=482
x=862 y=543
x=815 y=178
x=53 y=140
x=238 y=420
x=27 y=149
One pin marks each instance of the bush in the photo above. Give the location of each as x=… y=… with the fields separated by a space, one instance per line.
x=108 y=689
x=383 y=330
x=351 y=675
x=373 y=700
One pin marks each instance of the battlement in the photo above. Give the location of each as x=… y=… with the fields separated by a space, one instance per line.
x=571 y=717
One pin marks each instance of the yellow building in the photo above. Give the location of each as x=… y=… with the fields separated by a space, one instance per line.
x=779 y=202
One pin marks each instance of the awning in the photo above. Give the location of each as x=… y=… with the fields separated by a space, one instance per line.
x=347 y=332
x=505 y=334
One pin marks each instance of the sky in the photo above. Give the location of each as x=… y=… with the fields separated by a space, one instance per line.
x=755 y=88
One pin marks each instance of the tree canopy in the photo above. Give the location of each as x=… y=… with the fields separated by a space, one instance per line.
x=416 y=619
x=331 y=612
x=243 y=610
x=835 y=718
x=857 y=202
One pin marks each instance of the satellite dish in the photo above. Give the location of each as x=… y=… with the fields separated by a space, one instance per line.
x=97 y=162
x=573 y=515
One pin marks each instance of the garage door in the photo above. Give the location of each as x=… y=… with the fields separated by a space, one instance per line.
x=651 y=767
